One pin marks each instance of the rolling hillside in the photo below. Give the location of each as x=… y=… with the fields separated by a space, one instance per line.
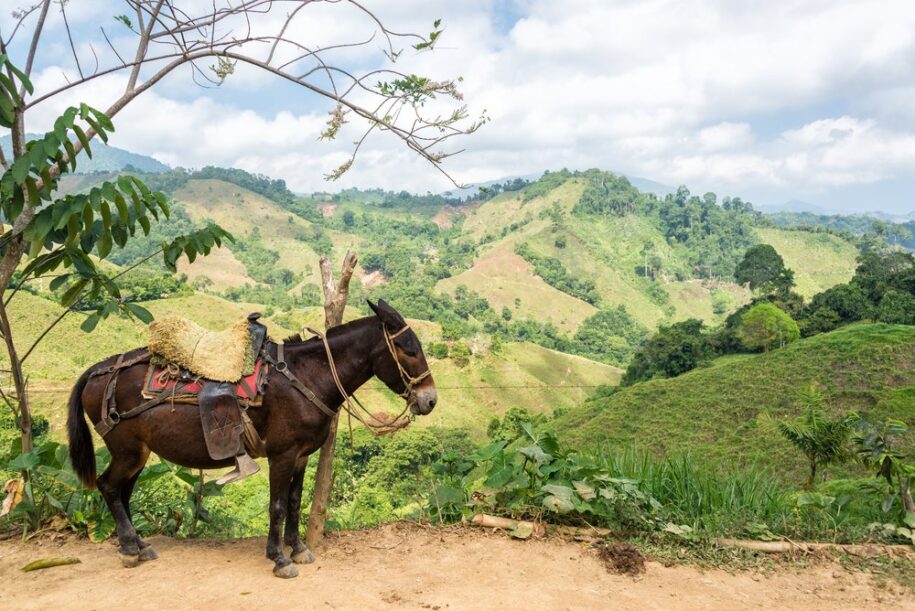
x=716 y=411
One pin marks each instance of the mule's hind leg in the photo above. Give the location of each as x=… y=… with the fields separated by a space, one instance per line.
x=292 y=537
x=112 y=484
x=146 y=550
x=281 y=471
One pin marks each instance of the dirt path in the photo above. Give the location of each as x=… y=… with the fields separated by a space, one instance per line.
x=403 y=566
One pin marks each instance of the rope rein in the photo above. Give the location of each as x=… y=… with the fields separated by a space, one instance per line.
x=377 y=425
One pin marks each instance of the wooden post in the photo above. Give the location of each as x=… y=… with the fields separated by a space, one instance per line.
x=334 y=304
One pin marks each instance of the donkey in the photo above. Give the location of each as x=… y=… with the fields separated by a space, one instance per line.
x=291 y=426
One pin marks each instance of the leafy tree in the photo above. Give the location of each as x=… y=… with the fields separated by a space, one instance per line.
x=611 y=335
x=764 y=269
x=460 y=353
x=821 y=320
x=349 y=219
x=765 y=325
x=846 y=300
x=897 y=307
x=67 y=237
x=822 y=440
x=673 y=350
x=506 y=313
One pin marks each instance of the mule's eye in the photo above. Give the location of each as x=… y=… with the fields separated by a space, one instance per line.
x=410 y=353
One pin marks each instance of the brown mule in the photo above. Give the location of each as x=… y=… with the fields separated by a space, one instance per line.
x=292 y=427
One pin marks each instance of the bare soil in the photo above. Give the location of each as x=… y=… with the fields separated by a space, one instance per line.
x=406 y=566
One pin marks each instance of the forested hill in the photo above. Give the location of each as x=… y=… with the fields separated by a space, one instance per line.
x=580 y=262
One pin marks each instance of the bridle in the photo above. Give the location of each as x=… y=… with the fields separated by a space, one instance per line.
x=377 y=426
x=409 y=382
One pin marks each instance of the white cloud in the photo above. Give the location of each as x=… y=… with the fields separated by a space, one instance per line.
x=798 y=97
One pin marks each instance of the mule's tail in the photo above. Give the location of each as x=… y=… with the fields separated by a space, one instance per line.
x=82 y=453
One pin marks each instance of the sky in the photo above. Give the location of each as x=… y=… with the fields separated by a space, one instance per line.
x=808 y=100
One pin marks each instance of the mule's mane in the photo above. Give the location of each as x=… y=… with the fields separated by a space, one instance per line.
x=296 y=341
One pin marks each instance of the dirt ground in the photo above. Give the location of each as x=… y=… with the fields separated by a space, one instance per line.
x=405 y=566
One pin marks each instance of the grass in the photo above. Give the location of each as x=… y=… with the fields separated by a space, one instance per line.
x=715 y=412
x=819 y=260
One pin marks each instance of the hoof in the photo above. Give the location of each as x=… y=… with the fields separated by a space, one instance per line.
x=129 y=561
x=148 y=553
x=304 y=557
x=287 y=571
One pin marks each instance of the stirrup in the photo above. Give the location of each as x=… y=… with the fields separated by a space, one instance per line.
x=244 y=466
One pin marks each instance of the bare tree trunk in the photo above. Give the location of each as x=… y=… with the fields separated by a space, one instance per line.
x=334 y=304
x=22 y=408
x=13 y=255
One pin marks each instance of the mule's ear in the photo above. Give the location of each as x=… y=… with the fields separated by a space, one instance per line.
x=374 y=307
x=390 y=314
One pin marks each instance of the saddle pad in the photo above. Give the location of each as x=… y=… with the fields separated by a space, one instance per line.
x=188 y=388
x=214 y=355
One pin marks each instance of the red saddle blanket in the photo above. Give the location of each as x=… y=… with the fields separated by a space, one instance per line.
x=159 y=378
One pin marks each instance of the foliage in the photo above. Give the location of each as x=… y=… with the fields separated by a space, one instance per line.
x=897 y=307
x=673 y=350
x=539 y=479
x=821 y=439
x=878 y=448
x=764 y=270
x=169 y=499
x=764 y=326
x=611 y=336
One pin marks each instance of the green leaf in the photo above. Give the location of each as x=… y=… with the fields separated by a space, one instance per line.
x=909 y=520
x=21 y=169
x=90 y=322
x=73 y=293
x=104 y=245
x=558 y=490
x=140 y=312
x=83 y=140
x=24 y=462
x=536 y=454
x=58 y=282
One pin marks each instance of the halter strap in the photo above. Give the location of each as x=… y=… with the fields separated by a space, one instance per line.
x=410 y=382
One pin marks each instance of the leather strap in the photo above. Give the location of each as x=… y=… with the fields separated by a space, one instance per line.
x=281 y=366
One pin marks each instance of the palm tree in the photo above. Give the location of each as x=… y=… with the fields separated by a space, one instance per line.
x=822 y=441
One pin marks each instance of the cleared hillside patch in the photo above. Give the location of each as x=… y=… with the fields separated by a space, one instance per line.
x=220 y=266
x=819 y=260
x=503 y=277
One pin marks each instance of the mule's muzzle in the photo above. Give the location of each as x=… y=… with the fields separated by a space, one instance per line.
x=423 y=401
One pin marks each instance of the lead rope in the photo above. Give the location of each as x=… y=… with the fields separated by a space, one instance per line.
x=381 y=427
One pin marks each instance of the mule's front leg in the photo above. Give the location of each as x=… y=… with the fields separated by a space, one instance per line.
x=281 y=472
x=293 y=538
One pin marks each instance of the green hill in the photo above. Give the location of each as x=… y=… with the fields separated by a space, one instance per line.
x=714 y=412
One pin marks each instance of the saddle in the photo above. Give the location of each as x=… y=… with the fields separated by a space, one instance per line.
x=218 y=371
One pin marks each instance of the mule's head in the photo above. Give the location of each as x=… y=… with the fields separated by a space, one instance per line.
x=399 y=361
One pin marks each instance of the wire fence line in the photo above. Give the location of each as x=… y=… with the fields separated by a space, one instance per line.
x=531 y=386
